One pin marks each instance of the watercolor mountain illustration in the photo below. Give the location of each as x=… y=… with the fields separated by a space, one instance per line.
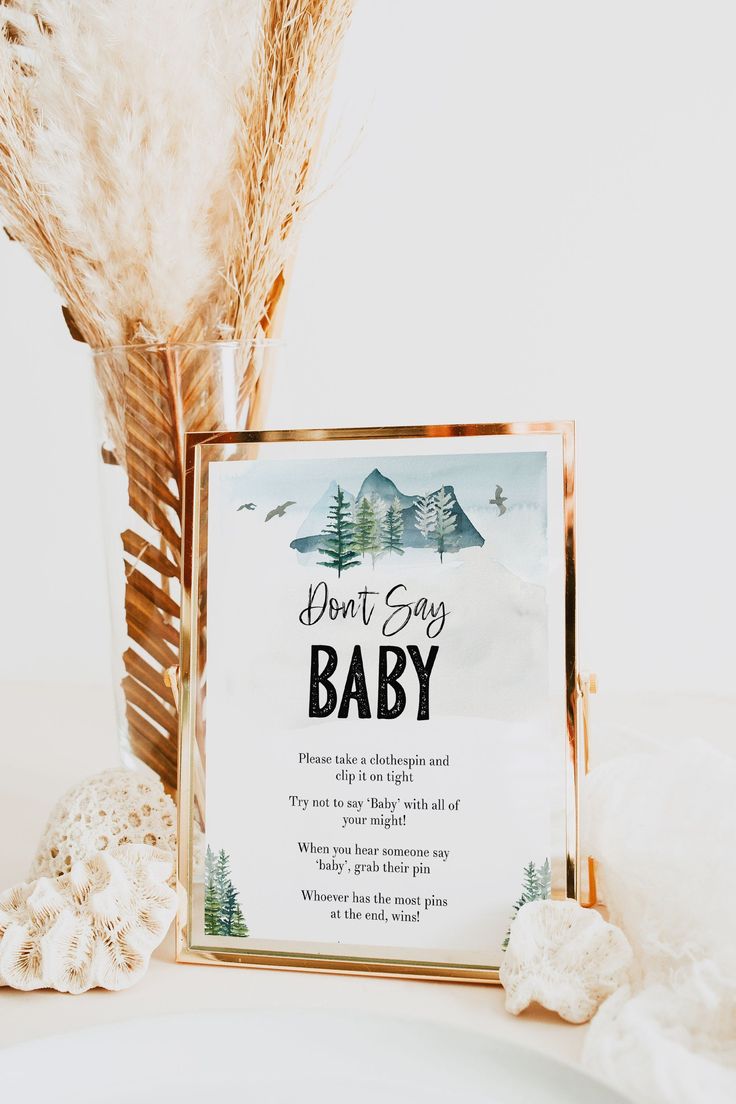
x=380 y=518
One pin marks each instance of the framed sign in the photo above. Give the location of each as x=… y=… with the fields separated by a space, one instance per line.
x=379 y=695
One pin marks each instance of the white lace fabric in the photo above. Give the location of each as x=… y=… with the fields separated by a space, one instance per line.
x=663 y=827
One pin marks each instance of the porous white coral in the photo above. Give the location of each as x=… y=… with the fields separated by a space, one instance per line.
x=96 y=925
x=114 y=808
x=564 y=957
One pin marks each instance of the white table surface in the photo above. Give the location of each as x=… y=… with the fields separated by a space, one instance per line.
x=51 y=736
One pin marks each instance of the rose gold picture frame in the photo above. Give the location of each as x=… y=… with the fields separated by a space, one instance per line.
x=202 y=449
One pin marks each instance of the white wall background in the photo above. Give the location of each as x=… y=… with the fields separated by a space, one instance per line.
x=537 y=220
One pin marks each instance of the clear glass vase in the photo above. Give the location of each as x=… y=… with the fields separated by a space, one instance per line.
x=149 y=397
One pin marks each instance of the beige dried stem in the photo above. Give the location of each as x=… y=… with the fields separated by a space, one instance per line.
x=154 y=160
x=282 y=115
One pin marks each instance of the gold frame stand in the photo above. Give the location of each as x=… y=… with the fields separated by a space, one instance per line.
x=587 y=687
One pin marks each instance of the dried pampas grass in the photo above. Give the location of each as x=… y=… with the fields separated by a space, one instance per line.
x=281 y=116
x=154 y=160
x=118 y=123
x=155 y=155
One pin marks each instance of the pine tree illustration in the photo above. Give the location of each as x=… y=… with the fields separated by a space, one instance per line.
x=222 y=911
x=232 y=917
x=529 y=885
x=536 y=885
x=365 y=525
x=222 y=876
x=379 y=516
x=393 y=529
x=338 y=536
x=425 y=513
x=212 y=903
x=444 y=521
x=239 y=928
x=544 y=881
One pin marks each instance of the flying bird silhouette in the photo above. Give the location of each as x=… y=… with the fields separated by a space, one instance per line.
x=499 y=500
x=247 y=506
x=279 y=511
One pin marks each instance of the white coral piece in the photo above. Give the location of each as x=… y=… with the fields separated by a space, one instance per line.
x=564 y=957
x=96 y=925
x=112 y=808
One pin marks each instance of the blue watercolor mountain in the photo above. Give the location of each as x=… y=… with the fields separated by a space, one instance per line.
x=376 y=483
